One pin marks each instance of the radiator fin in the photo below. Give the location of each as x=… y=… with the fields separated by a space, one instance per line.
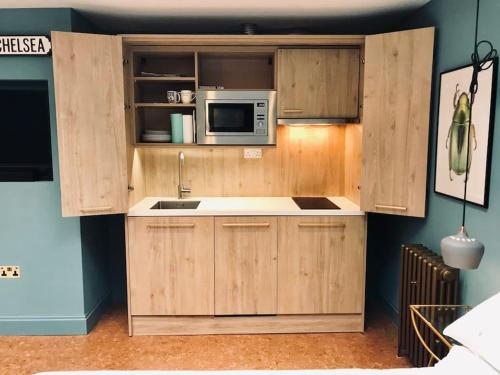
x=425 y=280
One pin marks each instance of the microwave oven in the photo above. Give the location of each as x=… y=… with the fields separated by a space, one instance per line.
x=236 y=117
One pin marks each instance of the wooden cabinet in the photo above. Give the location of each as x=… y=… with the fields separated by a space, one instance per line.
x=245 y=265
x=88 y=78
x=195 y=275
x=398 y=74
x=317 y=77
x=318 y=83
x=171 y=265
x=321 y=268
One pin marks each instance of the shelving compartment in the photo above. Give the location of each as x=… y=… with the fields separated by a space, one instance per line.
x=155 y=71
x=156 y=118
x=154 y=74
x=237 y=70
x=160 y=64
x=149 y=93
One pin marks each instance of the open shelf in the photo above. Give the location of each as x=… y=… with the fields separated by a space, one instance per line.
x=165 y=144
x=164 y=105
x=237 y=70
x=181 y=63
x=164 y=79
x=156 y=116
x=188 y=69
x=154 y=93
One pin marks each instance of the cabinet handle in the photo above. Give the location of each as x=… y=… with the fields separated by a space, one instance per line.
x=292 y=110
x=322 y=225
x=162 y=226
x=246 y=225
x=96 y=209
x=386 y=207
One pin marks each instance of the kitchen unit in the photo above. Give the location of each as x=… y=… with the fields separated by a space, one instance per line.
x=261 y=261
x=247 y=259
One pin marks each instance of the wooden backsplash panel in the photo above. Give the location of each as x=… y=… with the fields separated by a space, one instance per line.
x=353 y=144
x=136 y=173
x=307 y=161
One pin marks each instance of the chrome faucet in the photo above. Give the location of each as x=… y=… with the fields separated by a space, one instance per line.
x=180 y=188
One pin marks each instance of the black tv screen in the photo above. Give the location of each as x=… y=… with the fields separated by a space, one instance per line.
x=25 y=149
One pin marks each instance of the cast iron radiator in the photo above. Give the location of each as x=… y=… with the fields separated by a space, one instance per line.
x=425 y=280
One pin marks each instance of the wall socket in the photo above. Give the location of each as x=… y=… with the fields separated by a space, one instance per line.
x=252 y=153
x=10 y=272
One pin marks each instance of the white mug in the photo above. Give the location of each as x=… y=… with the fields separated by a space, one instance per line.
x=187 y=96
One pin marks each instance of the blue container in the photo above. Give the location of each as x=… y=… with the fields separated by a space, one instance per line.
x=176 y=122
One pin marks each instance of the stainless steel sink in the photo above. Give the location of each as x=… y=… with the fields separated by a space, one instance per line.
x=175 y=205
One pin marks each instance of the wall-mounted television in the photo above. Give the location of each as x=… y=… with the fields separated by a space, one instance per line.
x=25 y=148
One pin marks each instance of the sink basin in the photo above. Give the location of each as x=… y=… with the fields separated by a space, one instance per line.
x=175 y=205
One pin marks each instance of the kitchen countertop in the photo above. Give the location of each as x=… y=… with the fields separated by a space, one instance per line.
x=243 y=206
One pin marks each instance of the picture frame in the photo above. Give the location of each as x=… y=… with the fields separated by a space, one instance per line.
x=451 y=142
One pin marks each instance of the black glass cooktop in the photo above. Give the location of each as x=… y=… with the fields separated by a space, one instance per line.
x=315 y=203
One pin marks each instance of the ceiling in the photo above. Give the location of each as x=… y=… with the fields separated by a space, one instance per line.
x=148 y=15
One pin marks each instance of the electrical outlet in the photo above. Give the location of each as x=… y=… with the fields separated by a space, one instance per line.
x=252 y=153
x=10 y=272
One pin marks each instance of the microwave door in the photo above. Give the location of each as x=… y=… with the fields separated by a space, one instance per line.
x=226 y=117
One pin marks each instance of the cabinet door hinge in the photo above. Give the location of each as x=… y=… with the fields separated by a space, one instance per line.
x=125 y=61
x=362 y=60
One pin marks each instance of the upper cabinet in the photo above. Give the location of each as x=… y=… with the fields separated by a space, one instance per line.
x=88 y=78
x=318 y=83
x=397 y=89
x=316 y=78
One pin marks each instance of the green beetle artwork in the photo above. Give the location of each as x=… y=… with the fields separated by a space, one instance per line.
x=462 y=134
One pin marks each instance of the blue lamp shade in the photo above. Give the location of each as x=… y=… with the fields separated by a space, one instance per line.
x=461 y=251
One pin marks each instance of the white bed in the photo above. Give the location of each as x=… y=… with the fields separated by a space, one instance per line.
x=478 y=330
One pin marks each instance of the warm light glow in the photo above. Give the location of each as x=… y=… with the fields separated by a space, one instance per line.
x=314 y=133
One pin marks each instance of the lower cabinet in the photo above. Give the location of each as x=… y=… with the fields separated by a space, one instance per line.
x=171 y=265
x=321 y=268
x=246 y=265
x=244 y=274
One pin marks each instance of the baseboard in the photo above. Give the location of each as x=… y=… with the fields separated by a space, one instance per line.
x=217 y=325
x=52 y=325
x=93 y=316
x=43 y=325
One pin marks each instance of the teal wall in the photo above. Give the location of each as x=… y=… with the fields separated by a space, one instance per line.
x=68 y=264
x=454 y=44
x=95 y=242
x=60 y=261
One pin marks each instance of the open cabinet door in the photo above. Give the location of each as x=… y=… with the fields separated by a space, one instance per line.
x=398 y=75
x=88 y=79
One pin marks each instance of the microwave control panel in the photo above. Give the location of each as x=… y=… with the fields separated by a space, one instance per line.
x=261 y=117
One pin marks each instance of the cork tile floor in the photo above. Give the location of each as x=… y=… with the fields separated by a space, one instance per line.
x=108 y=347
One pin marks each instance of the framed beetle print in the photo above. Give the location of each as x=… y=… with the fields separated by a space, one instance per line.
x=460 y=126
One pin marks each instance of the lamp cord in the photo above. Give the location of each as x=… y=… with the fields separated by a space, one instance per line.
x=478 y=65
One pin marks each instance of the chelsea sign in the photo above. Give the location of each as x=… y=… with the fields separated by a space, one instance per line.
x=25 y=45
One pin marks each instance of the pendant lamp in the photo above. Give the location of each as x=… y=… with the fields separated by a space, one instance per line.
x=459 y=250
